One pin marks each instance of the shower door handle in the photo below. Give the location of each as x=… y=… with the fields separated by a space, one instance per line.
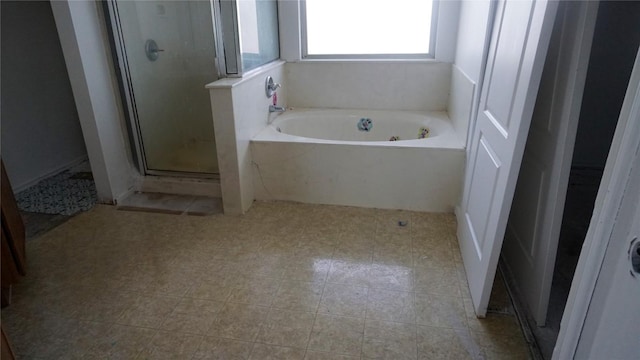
x=152 y=50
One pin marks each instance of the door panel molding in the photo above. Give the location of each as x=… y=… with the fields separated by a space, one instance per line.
x=519 y=43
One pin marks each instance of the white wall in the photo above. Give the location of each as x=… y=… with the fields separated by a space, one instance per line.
x=473 y=35
x=41 y=132
x=240 y=111
x=369 y=85
x=82 y=31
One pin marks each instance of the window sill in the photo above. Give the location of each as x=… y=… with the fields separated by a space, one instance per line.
x=367 y=61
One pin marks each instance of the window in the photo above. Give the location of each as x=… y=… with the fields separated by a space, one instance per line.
x=368 y=28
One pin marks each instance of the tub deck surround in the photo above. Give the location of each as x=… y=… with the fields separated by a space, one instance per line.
x=240 y=111
x=417 y=174
x=258 y=162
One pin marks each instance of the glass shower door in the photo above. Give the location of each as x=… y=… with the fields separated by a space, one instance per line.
x=169 y=55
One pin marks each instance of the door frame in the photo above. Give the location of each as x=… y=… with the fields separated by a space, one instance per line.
x=611 y=193
x=121 y=68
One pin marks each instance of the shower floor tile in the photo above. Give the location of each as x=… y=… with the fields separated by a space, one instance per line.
x=285 y=280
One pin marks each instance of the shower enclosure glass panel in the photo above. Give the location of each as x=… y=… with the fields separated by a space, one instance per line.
x=169 y=55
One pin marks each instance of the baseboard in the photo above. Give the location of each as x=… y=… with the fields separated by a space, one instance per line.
x=50 y=173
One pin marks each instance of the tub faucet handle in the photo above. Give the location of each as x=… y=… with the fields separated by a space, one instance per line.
x=273 y=108
x=270 y=86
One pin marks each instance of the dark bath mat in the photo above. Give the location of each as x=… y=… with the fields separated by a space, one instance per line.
x=65 y=194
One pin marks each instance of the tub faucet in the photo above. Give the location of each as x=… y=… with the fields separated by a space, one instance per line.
x=274 y=108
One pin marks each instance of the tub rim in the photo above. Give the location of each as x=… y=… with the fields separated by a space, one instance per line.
x=447 y=140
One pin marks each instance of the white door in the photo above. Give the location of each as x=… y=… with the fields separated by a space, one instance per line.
x=612 y=321
x=519 y=42
x=533 y=229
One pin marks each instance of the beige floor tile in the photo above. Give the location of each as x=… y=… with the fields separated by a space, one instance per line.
x=318 y=355
x=307 y=270
x=339 y=335
x=433 y=223
x=315 y=247
x=423 y=254
x=298 y=296
x=271 y=352
x=239 y=321
x=215 y=348
x=258 y=265
x=356 y=235
x=391 y=277
x=189 y=323
x=385 y=238
x=197 y=283
x=170 y=286
x=261 y=293
x=343 y=300
x=390 y=253
x=492 y=343
x=86 y=334
x=51 y=347
x=440 y=311
x=398 y=306
x=389 y=340
x=286 y=328
x=276 y=245
x=446 y=344
x=123 y=342
x=349 y=273
x=148 y=311
x=490 y=355
x=216 y=291
x=437 y=281
x=198 y=307
x=462 y=281
x=388 y=221
x=353 y=252
x=102 y=311
x=171 y=345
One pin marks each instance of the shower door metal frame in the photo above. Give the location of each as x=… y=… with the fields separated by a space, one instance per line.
x=121 y=65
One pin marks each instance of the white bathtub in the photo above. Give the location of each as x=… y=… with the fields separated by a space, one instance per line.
x=320 y=156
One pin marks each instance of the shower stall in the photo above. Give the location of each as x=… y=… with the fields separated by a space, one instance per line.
x=165 y=53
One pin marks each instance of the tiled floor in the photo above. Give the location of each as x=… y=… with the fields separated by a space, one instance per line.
x=285 y=281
